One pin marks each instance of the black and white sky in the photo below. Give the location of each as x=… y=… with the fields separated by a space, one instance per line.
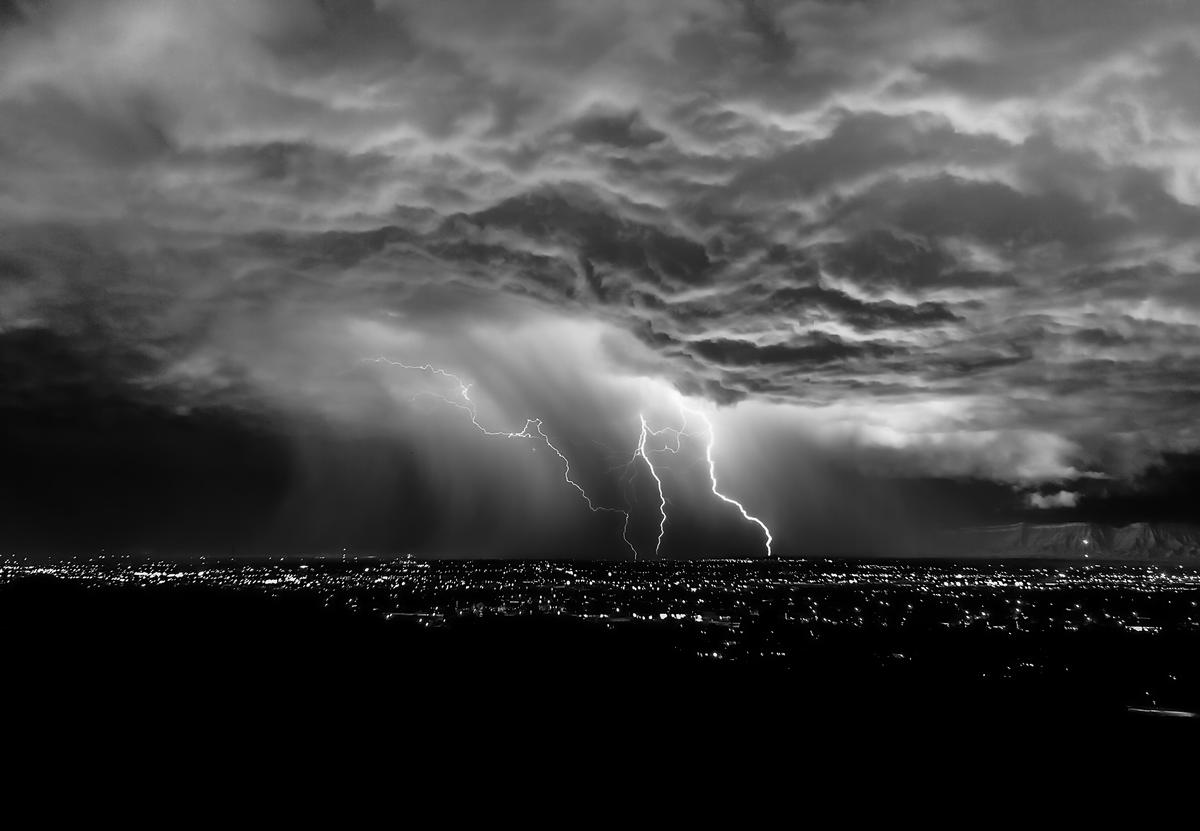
x=921 y=264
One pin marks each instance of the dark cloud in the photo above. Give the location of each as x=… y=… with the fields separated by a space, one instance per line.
x=821 y=349
x=860 y=144
x=760 y=20
x=615 y=128
x=882 y=260
x=864 y=316
x=988 y=212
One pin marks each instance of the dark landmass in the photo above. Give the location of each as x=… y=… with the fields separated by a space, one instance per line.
x=758 y=655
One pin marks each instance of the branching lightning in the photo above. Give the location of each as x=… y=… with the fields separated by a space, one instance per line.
x=531 y=431
x=678 y=433
x=662 y=497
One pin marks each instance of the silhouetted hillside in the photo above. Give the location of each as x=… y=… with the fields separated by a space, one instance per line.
x=1078 y=540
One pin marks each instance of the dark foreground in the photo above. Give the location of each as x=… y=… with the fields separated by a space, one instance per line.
x=612 y=657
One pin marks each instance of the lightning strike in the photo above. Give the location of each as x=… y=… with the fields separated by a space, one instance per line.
x=712 y=475
x=678 y=433
x=531 y=431
x=662 y=498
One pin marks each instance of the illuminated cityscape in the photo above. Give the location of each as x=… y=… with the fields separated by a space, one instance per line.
x=1015 y=622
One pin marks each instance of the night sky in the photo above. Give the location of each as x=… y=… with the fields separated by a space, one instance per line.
x=900 y=267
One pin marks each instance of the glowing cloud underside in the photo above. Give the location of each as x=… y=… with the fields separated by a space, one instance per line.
x=533 y=431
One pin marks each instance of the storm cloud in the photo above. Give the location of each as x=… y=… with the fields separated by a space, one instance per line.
x=946 y=238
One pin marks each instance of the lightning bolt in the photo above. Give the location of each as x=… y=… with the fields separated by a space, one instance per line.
x=662 y=497
x=641 y=452
x=531 y=431
x=710 y=440
x=712 y=476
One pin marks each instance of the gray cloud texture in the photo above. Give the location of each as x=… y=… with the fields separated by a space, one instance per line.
x=950 y=237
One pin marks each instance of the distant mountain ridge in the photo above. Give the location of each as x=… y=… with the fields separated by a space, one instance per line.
x=1078 y=540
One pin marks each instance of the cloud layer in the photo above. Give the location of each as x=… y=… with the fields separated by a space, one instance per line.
x=952 y=237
